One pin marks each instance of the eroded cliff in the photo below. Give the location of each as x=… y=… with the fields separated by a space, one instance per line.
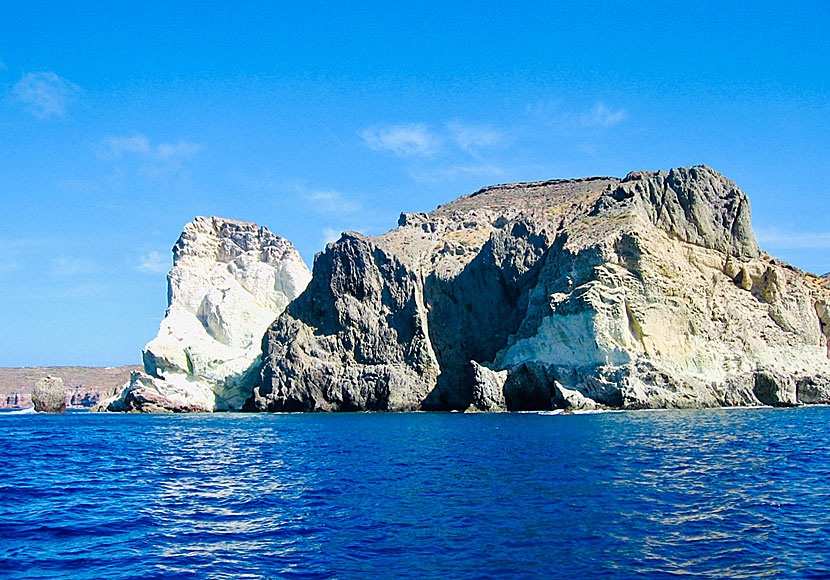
x=648 y=291
x=229 y=280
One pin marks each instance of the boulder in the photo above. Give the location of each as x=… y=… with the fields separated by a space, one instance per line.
x=488 y=389
x=49 y=396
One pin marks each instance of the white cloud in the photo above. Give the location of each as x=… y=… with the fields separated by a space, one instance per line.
x=8 y=265
x=414 y=140
x=180 y=150
x=116 y=147
x=45 y=93
x=602 y=116
x=71 y=266
x=18 y=244
x=83 y=291
x=331 y=201
x=154 y=263
x=558 y=115
x=17 y=251
x=330 y=235
x=472 y=138
x=439 y=174
x=775 y=238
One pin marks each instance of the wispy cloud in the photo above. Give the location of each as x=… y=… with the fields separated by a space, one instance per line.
x=83 y=291
x=8 y=265
x=16 y=253
x=17 y=244
x=72 y=266
x=180 y=150
x=155 y=160
x=117 y=147
x=2 y=65
x=45 y=93
x=154 y=263
x=556 y=114
x=473 y=138
x=449 y=173
x=331 y=201
x=775 y=238
x=600 y=115
x=330 y=235
x=413 y=140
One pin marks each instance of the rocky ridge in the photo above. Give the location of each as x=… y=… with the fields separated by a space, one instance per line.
x=229 y=281
x=647 y=291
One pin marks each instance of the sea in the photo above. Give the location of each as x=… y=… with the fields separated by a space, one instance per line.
x=728 y=493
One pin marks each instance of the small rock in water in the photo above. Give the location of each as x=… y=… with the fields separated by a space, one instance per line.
x=48 y=396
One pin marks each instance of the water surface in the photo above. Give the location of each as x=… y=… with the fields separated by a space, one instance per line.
x=674 y=494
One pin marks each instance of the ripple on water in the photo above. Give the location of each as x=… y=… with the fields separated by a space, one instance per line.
x=715 y=494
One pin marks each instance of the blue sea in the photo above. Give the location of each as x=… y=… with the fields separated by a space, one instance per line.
x=739 y=493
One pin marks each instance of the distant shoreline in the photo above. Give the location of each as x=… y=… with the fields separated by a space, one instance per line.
x=85 y=385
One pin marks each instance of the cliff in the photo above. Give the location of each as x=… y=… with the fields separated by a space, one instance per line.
x=229 y=281
x=647 y=291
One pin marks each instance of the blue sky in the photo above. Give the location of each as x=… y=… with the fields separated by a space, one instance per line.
x=119 y=124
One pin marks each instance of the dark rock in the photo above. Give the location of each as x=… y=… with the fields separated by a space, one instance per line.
x=529 y=387
x=813 y=389
x=775 y=388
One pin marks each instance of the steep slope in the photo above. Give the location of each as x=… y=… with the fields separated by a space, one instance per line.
x=229 y=281
x=644 y=292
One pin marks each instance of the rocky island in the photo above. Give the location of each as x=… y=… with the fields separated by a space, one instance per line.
x=647 y=291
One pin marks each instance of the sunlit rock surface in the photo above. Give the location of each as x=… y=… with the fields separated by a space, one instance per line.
x=229 y=281
x=49 y=396
x=647 y=291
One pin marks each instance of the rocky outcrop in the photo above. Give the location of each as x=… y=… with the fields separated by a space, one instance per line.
x=229 y=281
x=647 y=291
x=48 y=396
x=147 y=394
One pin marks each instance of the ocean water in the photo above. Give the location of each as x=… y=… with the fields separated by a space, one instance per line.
x=670 y=494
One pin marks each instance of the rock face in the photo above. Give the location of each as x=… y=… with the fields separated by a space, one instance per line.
x=229 y=281
x=648 y=291
x=48 y=396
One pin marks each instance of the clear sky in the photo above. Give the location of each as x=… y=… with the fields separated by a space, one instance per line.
x=121 y=121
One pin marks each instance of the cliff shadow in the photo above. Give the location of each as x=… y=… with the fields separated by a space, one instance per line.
x=471 y=316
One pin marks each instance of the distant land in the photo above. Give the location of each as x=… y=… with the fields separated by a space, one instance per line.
x=85 y=386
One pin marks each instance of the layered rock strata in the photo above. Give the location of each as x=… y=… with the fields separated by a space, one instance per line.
x=229 y=281
x=647 y=291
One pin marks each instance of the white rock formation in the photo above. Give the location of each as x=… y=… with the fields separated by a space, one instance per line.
x=229 y=281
